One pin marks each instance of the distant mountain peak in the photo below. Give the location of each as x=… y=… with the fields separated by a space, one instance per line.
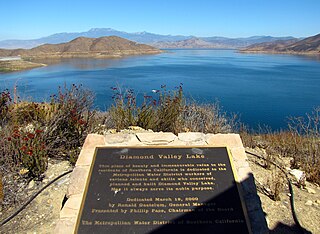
x=99 y=29
x=141 y=33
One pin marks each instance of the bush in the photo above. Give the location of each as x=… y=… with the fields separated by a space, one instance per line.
x=206 y=118
x=168 y=111
x=305 y=135
x=69 y=123
x=5 y=102
x=29 y=149
x=33 y=131
x=24 y=113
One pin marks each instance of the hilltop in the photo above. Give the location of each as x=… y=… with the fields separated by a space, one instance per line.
x=309 y=45
x=102 y=47
x=39 y=141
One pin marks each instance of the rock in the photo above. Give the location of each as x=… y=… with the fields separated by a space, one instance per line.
x=112 y=131
x=23 y=171
x=268 y=221
x=308 y=203
x=231 y=140
x=318 y=202
x=191 y=136
x=121 y=139
x=310 y=190
x=136 y=128
x=62 y=181
x=31 y=184
x=157 y=138
x=300 y=176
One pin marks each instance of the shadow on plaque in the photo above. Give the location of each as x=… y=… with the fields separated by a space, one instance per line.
x=223 y=221
x=257 y=224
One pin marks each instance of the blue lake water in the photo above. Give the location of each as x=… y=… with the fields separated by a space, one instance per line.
x=263 y=89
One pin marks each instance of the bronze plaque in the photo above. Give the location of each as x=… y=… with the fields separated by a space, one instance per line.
x=162 y=190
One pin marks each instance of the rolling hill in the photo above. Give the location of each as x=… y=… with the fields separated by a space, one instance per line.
x=309 y=45
x=102 y=47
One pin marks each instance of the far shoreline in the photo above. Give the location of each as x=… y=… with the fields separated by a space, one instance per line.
x=30 y=62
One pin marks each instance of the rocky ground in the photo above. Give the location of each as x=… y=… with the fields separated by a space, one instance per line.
x=278 y=213
x=41 y=215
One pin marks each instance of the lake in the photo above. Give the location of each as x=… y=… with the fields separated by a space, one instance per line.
x=263 y=89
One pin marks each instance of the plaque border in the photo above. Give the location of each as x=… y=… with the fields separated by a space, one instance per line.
x=233 y=168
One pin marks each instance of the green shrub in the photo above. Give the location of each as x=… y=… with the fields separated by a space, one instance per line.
x=70 y=121
x=24 y=113
x=158 y=113
x=167 y=111
x=29 y=149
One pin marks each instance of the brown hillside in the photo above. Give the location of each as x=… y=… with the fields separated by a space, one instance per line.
x=85 y=47
x=270 y=46
x=310 y=45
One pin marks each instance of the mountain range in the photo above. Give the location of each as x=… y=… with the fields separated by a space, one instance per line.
x=157 y=40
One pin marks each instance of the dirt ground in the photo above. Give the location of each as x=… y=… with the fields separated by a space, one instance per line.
x=278 y=213
x=41 y=215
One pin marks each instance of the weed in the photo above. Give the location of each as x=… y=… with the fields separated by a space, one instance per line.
x=1 y=190
x=5 y=103
x=275 y=184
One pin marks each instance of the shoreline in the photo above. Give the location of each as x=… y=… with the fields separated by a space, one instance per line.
x=316 y=54
x=18 y=65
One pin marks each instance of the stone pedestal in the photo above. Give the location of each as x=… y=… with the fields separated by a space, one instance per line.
x=79 y=176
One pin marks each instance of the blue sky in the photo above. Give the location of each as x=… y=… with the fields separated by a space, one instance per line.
x=28 y=19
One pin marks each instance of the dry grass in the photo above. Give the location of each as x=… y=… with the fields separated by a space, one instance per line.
x=1 y=190
x=301 y=143
x=168 y=112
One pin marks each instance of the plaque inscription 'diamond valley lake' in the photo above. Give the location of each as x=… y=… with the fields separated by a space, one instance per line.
x=162 y=190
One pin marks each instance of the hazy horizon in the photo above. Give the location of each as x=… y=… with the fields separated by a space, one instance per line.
x=166 y=34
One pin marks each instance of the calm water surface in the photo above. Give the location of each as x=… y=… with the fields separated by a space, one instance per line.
x=263 y=89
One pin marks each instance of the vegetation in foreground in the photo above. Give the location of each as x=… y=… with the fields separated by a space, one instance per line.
x=30 y=132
